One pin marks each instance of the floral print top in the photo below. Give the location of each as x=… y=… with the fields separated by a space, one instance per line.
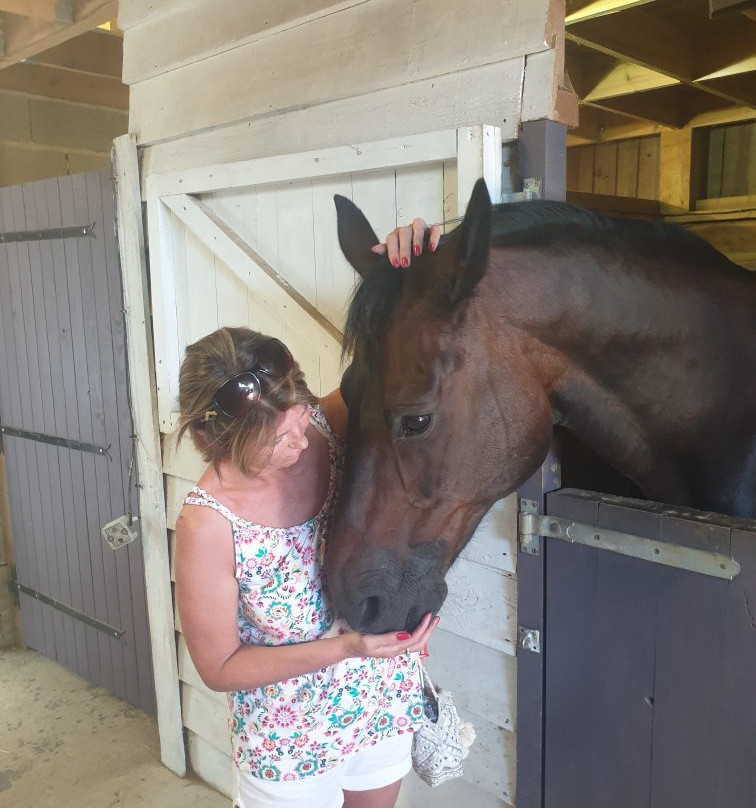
x=305 y=725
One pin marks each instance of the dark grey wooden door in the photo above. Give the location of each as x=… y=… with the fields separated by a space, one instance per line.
x=650 y=671
x=63 y=376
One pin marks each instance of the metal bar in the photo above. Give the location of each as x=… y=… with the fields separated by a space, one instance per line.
x=61 y=607
x=55 y=441
x=715 y=565
x=79 y=231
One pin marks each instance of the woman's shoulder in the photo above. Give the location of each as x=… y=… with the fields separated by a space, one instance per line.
x=335 y=412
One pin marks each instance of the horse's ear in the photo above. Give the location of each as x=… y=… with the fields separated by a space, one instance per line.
x=356 y=236
x=471 y=242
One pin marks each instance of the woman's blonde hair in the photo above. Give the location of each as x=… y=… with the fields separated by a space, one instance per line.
x=246 y=442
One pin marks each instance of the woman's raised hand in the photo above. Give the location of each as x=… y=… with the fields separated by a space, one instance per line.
x=391 y=644
x=404 y=242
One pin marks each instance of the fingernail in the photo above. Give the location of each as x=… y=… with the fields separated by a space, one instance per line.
x=402 y=636
x=405 y=262
x=416 y=249
x=395 y=263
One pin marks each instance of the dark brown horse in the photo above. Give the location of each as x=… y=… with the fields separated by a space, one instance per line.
x=639 y=338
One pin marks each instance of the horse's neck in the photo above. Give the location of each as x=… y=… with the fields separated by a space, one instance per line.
x=625 y=365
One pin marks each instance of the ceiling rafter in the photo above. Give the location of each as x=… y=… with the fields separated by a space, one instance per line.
x=658 y=64
x=23 y=37
x=50 y=10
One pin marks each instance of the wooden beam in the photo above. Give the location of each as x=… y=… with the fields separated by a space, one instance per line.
x=681 y=166
x=24 y=37
x=674 y=106
x=50 y=10
x=32 y=79
x=667 y=51
x=95 y=52
x=598 y=124
x=147 y=445
x=600 y=8
x=625 y=79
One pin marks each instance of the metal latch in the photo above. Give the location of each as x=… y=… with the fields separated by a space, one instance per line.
x=529 y=639
x=531 y=189
x=533 y=525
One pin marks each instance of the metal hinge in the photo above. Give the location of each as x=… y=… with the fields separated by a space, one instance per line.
x=532 y=526
x=530 y=543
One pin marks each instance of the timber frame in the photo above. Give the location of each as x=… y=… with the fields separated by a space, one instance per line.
x=641 y=67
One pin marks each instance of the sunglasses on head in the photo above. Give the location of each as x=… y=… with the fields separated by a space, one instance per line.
x=237 y=396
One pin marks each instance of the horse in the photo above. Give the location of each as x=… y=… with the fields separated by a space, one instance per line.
x=637 y=337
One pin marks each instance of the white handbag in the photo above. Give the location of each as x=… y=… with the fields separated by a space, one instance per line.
x=442 y=741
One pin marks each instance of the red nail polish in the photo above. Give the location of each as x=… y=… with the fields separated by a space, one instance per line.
x=395 y=263
x=402 y=635
x=405 y=262
x=416 y=250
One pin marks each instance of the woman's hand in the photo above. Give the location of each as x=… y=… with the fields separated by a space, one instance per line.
x=404 y=242
x=391 y=644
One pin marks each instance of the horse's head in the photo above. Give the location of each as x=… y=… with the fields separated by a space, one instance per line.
x=424 y=445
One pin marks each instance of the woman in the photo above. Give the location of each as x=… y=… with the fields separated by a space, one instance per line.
x=321 y=716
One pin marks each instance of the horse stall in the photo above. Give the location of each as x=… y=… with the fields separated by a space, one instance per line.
x=243 y=139
x=243 y=142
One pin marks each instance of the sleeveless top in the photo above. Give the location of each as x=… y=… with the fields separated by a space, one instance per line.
x=305 y=725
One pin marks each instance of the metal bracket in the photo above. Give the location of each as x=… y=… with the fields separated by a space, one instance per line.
x=55 y=441
x=529 y=639
x=530 y=543
x=80 y=231
x=531 y=189
x=715 y=565
x=62 y=607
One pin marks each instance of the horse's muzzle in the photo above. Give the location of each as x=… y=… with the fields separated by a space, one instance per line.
x=387 y=593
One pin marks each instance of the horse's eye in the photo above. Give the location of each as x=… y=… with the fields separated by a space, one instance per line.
x=415 y=425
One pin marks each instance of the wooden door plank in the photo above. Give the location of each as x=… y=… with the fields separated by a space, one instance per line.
x=71 y=468
x=140 y=691
x=152 y=504
x=733 y=767
x=59 y=477
x=44 y=484
x=28 y=414
x=11 y=406
x=100 y=664
x=627 y=168
x=98 y=496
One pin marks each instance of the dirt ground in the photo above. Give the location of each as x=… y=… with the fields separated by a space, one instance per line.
x=66 y=744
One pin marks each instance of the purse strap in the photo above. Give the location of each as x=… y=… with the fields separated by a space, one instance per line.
x=427 y=681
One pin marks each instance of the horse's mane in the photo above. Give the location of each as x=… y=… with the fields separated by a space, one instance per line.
x=537 y=223
x=542 y=222
x=372 y=303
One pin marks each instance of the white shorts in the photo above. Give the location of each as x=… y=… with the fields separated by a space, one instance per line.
x=374 y=767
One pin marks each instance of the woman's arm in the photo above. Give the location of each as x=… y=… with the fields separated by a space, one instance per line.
x=207 y=597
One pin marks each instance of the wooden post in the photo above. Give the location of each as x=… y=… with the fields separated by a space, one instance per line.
x=151 y=500
x=681 y=167
x=541 y=154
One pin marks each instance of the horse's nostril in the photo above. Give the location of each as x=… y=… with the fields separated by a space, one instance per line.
x=369 y=610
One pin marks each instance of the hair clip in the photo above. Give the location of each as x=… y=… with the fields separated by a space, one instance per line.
x=208 y=416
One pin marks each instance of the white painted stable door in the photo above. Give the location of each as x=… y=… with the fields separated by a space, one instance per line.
x=255 y=244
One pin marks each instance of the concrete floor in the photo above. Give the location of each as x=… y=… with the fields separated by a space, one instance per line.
x=66 y=744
